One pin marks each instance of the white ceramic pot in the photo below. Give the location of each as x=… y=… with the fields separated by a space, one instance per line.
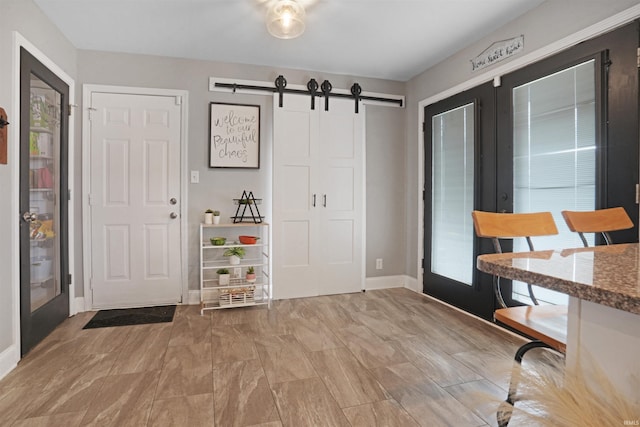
x=216 y=219
x=234 y=260
x=208 y=218
x=223 y=279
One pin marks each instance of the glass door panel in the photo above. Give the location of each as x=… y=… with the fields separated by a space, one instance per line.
x=452 y=194
x=554 y=156
x=44 y=144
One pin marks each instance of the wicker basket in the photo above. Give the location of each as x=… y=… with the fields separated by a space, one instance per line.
x=237 y=296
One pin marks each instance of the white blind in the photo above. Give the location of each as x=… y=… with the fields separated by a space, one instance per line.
x=554 y=144
x=452 y=194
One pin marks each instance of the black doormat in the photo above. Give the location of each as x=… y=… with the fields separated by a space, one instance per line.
x=131 y=316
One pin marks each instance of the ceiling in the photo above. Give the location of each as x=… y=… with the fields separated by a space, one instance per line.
x=389 y=39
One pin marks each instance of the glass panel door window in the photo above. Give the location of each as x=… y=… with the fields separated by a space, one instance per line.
x=554 y=160
x=44 y=144
x=453 y=194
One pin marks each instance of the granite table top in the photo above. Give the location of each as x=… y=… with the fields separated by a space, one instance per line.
x=608 y=275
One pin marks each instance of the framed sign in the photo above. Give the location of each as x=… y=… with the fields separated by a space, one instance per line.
x=234 y=136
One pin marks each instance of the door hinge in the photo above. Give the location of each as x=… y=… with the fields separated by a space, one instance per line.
x=423 y=263
x=637 y=194
x=68 y=194
x=90 y=200
x=638 y=57
x=69 y=279
x=178 y=100
x=424 y=127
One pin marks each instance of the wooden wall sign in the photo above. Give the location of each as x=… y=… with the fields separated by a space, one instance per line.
x=3 y=136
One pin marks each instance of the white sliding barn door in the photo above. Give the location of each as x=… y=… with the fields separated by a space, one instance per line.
x=135 y=174
x=318 y=201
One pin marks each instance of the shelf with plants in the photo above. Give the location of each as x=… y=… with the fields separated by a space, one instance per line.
x=244 y=281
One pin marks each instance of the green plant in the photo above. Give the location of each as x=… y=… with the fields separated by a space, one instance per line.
x=237 y=251
x=208 y=211
x=250 y=270
x=216 y=213
x=222 y=271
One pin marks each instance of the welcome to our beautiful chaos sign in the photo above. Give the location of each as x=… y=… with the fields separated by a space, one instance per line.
x=234 y=136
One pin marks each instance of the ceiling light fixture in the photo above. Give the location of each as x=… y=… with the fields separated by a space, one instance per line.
x=285 y=19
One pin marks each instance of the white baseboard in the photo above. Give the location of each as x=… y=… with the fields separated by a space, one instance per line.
x=193 y=298
x=8 y=360
x=413 y=284
x=78 y=306
x=384 y=282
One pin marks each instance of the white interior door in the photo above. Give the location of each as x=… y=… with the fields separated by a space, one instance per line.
x=342 y=205
x=135 y=200
x=295 y=198
x=318 y=207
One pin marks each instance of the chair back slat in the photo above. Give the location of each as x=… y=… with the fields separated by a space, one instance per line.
x=511 y=225
x=598 y=221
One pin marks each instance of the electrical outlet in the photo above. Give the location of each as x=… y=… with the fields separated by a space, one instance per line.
x=195 y=177
x=379 y=264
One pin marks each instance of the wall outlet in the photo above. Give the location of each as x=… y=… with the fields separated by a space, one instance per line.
x=195 y=177
x=379 y=264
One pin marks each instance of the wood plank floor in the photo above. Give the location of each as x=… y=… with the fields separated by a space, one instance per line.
x=381 y=358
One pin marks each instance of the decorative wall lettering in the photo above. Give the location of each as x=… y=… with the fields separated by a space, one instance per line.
x=497 y=52
x=234 y=136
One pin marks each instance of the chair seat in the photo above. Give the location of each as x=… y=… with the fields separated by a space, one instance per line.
x=547 y=323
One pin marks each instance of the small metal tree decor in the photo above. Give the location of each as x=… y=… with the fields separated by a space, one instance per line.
x=247 y=200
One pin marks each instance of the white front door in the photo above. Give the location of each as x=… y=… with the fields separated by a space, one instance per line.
x=318 y=203
x=135 y=200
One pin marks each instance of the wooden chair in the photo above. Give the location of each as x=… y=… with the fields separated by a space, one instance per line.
x=599 y=221
x=545 y=324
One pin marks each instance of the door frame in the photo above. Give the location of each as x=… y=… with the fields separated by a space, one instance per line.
x=599 y=28
x=87 y=91
x=19 y=41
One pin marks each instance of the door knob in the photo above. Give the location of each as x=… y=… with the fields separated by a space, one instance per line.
x=29 y=217
x=173 y=201
x=173 y=215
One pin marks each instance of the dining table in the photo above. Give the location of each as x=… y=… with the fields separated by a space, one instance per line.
x=603 y=320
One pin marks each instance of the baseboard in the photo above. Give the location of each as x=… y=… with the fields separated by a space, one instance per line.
x=412 y=283
x=193 y=298
x=8 y=360
x=384 y=282
x=78 y=306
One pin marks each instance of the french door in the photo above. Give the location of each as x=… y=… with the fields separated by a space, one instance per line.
x=44 y=253
x=566 y=135
x=459 y=157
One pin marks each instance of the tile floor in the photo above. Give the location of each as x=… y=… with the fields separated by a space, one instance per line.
x=380 y=358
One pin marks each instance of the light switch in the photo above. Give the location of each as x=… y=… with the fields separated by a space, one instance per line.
x=195 y=177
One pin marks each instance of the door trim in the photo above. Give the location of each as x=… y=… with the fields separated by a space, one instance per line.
x=19 y=41
x=87 y=91
x=594 y=30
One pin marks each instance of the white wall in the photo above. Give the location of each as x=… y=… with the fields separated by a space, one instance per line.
x=218 y=187
x=22 y=16
x=542 y=26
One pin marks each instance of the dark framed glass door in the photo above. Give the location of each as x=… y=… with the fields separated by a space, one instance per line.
x=459 y=162
x=568 y=140
x=44 y=261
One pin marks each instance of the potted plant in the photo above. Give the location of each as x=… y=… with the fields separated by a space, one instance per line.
x=208 y=216
x=223 y=277
x=251 y=275
x=235 y=254
x=216 y=217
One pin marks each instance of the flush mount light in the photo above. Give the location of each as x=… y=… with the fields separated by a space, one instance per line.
x=285 y=19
